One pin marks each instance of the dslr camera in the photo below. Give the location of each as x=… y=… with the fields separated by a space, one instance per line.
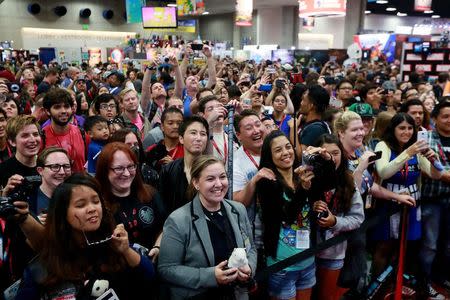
x=21 y=193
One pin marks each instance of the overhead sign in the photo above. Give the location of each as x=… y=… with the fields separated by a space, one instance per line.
x=315 y=8
x=134 y=10
x=190 y=7
x=422 y=5
x=244 y=11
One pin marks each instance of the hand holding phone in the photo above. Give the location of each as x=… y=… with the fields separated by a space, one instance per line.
x=375 y=157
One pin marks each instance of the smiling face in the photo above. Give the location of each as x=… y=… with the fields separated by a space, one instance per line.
x=60 y=113
x=282 y=153
x=212 y=185
x=121 y=183
x=251 y=133
x=403 y=133
x=85 y=210
x=352 y=137
x=51 y=178
x=27 y=142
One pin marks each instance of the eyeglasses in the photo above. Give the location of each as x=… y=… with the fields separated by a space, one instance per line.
x=96 y=242
x=106 y=106
x=120 y=169
x=57 y=167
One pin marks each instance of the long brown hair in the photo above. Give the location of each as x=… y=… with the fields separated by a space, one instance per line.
x=144 y=192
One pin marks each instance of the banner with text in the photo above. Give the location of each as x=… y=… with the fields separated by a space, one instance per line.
x=315 y=8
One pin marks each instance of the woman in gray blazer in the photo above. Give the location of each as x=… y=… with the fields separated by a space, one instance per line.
x=199 y=237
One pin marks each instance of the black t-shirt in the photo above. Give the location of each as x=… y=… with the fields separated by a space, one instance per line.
x=12 y=166
x=142 y=221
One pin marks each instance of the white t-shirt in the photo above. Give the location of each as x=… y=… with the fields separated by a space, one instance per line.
x=243 y=171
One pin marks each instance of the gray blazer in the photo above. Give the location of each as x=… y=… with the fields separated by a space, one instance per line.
x=186 y=260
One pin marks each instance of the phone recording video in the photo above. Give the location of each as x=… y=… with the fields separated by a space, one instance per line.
x=375 y=157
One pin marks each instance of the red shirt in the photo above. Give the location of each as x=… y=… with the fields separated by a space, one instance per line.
x=71 y=141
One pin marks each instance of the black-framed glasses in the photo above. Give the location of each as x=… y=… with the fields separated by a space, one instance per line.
x=57 y=167
x=120 y=169
x=96 y=242
x=105 y=106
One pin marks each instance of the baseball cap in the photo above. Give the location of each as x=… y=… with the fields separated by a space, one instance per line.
x=106 y=74
x=97 y=71
x=7 y=75
x=287 y=67
x=362 y=109
x=388 y=86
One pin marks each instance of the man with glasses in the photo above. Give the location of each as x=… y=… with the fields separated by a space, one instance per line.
x=106 y=106
x=344 y=93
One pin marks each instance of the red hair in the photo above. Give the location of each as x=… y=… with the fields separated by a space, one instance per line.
x=144 y=192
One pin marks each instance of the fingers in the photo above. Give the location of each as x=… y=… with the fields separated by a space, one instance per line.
x=222 y=264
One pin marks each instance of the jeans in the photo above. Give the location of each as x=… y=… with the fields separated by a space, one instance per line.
x=435 y=227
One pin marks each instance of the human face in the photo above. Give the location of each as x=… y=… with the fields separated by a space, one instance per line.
x=121 y=183
x=373 y=96
x=368 y=125
x=270 y=126
x=84 y=104
x=411 y=94
x=345 y=91
x=99 y=132
x=81 y=85
x=335 y=152
x=279 y=103
x=108 y=110
x=251 y=132
x=210 y=109
x=416 y=111
x=282 y=153
x=223 y=96
x=194 y=138
x=429 y=104
x=28 y=74
x=103 y=90
x=10 y=108
x=28 y=141
x=131 y=140
x=443 y=122
x=352 y=137
x=398 y=96
x=192 y=83
x=175 y=102
x=60 y=113
x=2 y=126
x=212 y=185
x=53 y=179
x=130 y=102
x=31 y=91
x=306 y=104
x=85 y=211
x=132 y=75
x=171 y=124
x=158 y=91
x=403 y=132
x=257 y=100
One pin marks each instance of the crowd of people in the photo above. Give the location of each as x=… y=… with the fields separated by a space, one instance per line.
x=118 y=182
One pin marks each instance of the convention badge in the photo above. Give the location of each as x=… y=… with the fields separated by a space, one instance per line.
x=247 y=244
x=302 y=239
x=368 y=201
x=110 y=294
x=11 y=292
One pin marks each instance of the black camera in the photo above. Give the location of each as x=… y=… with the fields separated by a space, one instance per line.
x=310 y=159
x=280 y=83
x=322 y=214
x=21 y=193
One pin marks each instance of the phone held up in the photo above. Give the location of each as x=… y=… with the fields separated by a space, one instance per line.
x=375 y=157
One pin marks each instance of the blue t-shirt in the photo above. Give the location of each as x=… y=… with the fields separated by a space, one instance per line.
x=187 y=103
x=283 y=124
x=95 y=147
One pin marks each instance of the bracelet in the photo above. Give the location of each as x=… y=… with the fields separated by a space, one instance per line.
x=155 y=247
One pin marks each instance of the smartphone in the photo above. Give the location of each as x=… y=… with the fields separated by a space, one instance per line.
x=377 y=156
x=422 y=136
x=198 y=47
x=265 y=87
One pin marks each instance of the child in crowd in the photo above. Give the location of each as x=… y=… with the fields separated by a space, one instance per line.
x=98 y=130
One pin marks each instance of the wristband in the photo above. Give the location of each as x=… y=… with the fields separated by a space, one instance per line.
x=155 y=247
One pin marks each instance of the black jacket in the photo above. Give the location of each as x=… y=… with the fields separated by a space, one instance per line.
x=173 y=185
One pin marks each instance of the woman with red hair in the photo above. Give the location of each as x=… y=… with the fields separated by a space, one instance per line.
x=136 y=205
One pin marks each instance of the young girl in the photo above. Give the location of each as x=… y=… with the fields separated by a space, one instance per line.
x=80 y=242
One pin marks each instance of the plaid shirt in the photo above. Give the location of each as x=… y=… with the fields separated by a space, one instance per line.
x=436 y=190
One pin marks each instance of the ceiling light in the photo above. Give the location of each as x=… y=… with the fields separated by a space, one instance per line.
x=435 y=16
x=400 y=14
x=368 y=12
x=391 y=9
x=205 y=13
x=382 y=1
x=428 y=12
x=172 y=5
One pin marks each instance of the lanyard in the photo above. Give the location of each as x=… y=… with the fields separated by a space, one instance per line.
x=174 y=152
x=281 y=122
x=251 y=158
x=225 y=148
x=442 y=153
